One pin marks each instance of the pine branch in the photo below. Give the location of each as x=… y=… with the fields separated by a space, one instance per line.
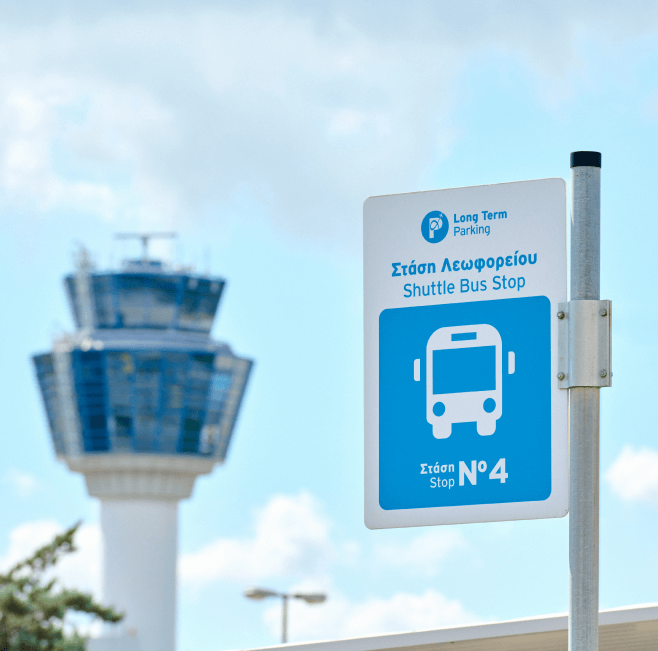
x=32 y=613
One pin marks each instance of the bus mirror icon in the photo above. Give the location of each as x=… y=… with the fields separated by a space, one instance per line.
x=464 y=374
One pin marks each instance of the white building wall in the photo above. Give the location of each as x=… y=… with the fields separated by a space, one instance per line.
x=139 y=568
x=123 y=643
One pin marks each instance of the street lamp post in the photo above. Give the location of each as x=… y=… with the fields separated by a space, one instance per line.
x=309 y=598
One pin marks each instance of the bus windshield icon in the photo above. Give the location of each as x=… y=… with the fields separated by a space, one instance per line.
x=464 y=378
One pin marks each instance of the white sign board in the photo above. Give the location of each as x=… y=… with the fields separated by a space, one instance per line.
x=464 y=421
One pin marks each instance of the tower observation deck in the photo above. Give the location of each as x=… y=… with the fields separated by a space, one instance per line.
x=141 y=400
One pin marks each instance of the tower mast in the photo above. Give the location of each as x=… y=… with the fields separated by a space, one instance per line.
x=144 y=237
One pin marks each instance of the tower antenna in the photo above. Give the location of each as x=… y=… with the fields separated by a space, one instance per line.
x=144 y=237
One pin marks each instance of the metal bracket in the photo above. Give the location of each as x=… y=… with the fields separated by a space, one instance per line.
x=584 y=349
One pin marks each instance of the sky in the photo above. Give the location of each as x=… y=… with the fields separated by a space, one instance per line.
x=255 y=130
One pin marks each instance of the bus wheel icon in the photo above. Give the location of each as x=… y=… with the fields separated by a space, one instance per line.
x=464 y=378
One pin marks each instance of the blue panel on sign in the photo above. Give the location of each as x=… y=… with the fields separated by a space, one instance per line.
x=471 y=428
x=459 y=370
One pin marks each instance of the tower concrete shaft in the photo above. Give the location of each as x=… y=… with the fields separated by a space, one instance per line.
x=139 y=497
x=139 y=568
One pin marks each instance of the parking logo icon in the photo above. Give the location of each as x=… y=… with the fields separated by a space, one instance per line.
x=434 y=227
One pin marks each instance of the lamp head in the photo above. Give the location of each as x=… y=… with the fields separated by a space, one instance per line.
x=312 y=598
x=259 y=593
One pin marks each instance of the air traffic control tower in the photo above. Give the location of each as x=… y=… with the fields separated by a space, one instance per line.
x=140 y=400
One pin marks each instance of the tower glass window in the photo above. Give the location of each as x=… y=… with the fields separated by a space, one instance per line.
x=144 y=377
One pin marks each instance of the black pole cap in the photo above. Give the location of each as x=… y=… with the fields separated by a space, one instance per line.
x=585 y=159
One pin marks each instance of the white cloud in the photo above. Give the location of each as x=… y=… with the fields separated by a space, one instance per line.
x=80 y=570
x=423 y=554
x=634 y=475
x=340 y=617
x=291 y=539
x=159 y=114
x=45 y=155
x=195 y=114
x=24 y=483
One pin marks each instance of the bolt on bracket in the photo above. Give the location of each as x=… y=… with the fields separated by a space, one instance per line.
x=584 y=344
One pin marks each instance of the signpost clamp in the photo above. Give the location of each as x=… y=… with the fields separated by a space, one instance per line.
x=584 y=344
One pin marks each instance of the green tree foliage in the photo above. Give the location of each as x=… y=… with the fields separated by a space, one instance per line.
x=32 y=611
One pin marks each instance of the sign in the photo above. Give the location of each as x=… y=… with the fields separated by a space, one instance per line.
x=464 y=421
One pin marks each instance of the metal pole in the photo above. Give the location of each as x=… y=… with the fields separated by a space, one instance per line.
x=284 y=623
x=584 y=414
